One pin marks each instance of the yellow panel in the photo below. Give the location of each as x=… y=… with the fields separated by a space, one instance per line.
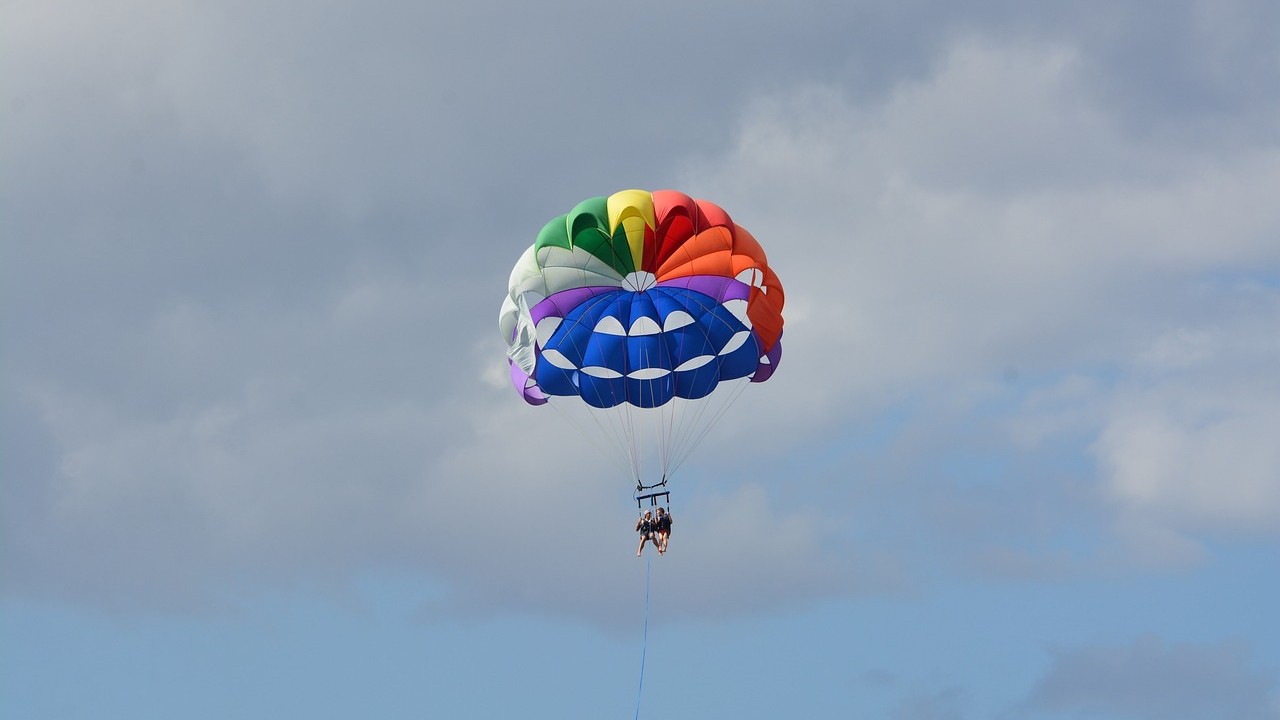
x=633 y=210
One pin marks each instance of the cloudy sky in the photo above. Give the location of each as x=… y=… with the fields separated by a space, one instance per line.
x=259 y=457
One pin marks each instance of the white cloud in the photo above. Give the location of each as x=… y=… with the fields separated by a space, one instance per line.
x=973 y=220
x=997 y=215
x=1189 y=442
x=273 y=388
x=538 y=519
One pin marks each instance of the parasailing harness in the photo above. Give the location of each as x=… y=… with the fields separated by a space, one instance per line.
x=641 y=494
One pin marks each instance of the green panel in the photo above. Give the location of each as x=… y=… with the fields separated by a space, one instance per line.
x=554 y=234
x=592 y=212
x=587 y=227
x=622 y=248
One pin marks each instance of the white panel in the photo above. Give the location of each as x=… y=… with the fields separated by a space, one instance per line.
x=677 y=319
x=520 y=348
x=507 y=319
x=644 y=325
x=547 y=327
x=526 y=267
x=529 y=298
x=555 y=357
x=695 y=363
x=522 y=356
x=601 y=372
x=735 y=342
x=569 y=278
x=526 y=276
x=610 y=325
x=648 y=373
x=640 y=280
x=569 y=269
x=739 y=310
x=576 y=257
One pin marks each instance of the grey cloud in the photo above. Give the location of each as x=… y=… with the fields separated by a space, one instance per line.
x=1040 y=280
x=944 y=704
x=921 y=283
x=253 y=254
x=1155 y=679
x=524 y=541
x=1202 y=73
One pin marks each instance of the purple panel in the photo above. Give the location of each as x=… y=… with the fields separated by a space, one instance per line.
x=559 y=304
x=765 y=370
x=717 y=287
x=528 y=388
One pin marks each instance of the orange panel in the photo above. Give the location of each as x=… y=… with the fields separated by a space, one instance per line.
x=765 y=309
x=713 y=240
x=744 y=243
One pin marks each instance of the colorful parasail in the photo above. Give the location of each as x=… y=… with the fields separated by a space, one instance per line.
x=638 y=300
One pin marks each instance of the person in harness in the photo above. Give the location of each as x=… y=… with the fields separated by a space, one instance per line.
x=648 y=531
x=662 y=528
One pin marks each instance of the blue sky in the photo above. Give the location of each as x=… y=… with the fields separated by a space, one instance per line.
x=259 y=455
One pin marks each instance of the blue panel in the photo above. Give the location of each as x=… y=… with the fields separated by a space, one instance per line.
x=571 y=341
x=606 y=351
x=577 y=340
x=741 y=362
x=666 y=304
x=641 y=306
x=620 y=308
x=693 y=384
x=686 y=343
x=574 y=334
x=647 y=351
x=720 y=325
x=650 y=393
x=602 y=392
x=696 y=303
x=594 y=307
x=554 y=380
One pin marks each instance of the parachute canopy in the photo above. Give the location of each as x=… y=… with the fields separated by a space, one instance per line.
x=639 y=298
